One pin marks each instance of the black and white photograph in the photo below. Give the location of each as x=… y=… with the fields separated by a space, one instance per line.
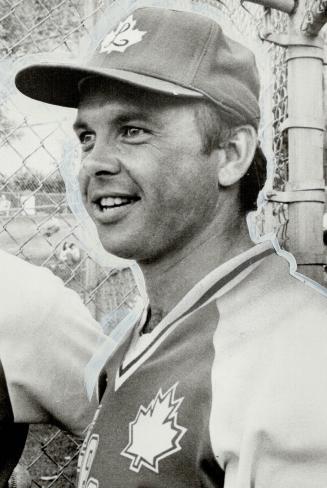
x=163 y=244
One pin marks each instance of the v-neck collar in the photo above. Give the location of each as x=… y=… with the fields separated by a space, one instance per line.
x=211 y=287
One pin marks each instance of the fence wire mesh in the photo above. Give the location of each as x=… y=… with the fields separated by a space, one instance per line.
x=36 y=222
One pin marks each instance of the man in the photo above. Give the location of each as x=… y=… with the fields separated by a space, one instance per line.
x=215 y=386
x=47 y=336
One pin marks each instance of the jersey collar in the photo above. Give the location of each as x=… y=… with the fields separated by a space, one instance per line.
x=217 y=283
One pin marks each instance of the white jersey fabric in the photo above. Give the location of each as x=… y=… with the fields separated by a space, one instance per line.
x=229 y=390
x=47 y=336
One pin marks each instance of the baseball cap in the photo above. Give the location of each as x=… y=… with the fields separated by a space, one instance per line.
x=169 y=51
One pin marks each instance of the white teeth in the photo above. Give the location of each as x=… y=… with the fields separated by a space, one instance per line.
x=107 y=202
x=113 y=201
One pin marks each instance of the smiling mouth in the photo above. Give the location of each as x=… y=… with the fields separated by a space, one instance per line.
x=107 y=204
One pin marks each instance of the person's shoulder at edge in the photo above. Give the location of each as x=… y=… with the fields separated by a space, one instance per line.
x=26 y=288
x=45 y=375
x=272 y=302
x=273 y=311
x=275 y=279
x=26 y=282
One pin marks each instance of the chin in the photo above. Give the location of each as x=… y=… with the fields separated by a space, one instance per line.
x=134 y=253
x=129 y=247
x=120 y=249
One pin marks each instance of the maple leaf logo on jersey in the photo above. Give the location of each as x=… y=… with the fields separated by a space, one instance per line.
x=155 y=433
x=124 y=36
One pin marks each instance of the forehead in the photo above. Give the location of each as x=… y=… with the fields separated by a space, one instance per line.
x=98 y=93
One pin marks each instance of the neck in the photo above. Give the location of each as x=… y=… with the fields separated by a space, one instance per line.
x=169 y=279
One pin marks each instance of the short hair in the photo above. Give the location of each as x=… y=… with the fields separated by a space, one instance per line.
x=215 y=129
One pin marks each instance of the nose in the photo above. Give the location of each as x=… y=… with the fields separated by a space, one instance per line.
x=100 y=165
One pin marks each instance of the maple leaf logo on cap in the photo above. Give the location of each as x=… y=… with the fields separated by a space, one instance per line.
x=124 y=36
x=154 y=433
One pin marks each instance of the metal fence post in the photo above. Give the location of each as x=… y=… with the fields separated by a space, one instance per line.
x=305 y=188
x=305 y=127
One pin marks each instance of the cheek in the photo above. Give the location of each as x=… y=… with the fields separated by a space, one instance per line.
x=184 y=195
x=191 y=177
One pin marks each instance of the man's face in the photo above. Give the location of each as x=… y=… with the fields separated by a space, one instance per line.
x=144 y=179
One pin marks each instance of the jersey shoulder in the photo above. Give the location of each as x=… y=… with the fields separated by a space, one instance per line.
x=282 y=290
x=54 y=336
x=23 y=284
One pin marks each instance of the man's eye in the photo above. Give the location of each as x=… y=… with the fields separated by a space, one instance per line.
x=86 y=138
x=133 y=131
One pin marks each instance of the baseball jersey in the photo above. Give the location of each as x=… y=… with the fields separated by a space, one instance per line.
x=47 y=336
x=230 y=389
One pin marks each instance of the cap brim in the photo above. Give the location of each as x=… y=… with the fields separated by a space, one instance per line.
x=58 y=84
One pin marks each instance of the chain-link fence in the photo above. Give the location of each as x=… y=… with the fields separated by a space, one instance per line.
x=255 y=22
x=36 y=222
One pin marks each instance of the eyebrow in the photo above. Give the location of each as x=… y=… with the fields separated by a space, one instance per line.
x=119 y=119
x=132 y=115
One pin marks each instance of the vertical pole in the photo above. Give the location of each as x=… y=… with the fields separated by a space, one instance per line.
x=305 y=135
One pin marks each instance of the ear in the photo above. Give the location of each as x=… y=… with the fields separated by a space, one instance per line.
x=238 y=155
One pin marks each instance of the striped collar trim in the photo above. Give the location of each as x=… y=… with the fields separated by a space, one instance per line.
x=214 y=285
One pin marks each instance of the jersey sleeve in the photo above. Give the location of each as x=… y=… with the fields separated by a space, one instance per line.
x=45 y=346
x=268 y=425
x=281 y=437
